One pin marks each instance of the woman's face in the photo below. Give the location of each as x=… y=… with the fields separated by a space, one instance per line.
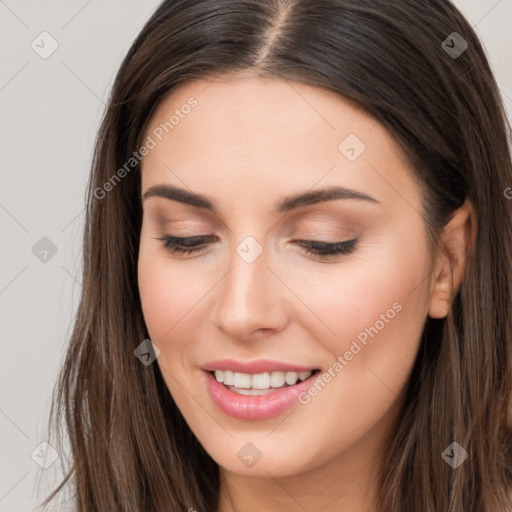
x=252 y=300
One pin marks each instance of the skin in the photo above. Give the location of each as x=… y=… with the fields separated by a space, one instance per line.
x=248 y=143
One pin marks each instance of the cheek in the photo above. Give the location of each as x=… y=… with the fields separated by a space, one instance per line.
x=167 y=292
x=170 y=299
x=376 y=308
x=377 y=311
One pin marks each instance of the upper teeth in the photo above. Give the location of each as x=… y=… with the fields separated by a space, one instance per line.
x=259 y=380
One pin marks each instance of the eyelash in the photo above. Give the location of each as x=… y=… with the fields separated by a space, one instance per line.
x=323 y=249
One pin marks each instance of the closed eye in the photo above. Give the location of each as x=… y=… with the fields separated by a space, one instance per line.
x=328 y=249
x=193 y=244
x=183 y=245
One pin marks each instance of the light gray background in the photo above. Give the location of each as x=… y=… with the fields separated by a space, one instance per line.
x=50 y=112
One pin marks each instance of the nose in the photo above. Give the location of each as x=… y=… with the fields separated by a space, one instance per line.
x=250 y=300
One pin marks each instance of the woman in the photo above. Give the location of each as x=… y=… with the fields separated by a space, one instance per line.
x=297 y=267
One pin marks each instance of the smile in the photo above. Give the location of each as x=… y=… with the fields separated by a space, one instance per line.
x=256 y=394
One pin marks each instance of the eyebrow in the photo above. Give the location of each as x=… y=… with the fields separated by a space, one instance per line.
x=285 y=204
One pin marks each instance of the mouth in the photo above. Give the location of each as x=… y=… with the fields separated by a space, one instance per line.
x=257 y=396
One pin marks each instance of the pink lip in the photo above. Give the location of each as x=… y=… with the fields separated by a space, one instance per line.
x=259 y=366
x=256 y=407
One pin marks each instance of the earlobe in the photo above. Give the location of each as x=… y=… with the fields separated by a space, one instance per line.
x=457 y=243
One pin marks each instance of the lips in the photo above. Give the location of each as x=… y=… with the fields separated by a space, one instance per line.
x=249 y=406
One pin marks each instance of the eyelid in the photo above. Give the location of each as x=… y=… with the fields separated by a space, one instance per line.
x=190 y=241
x=329 y=249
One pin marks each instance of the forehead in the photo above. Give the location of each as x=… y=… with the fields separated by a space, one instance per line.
x=271 y=134
x=262 y=106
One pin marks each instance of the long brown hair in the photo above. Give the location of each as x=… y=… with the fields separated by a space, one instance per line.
x=401 y=61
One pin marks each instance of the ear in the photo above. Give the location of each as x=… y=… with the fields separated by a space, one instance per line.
x=457 y=242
